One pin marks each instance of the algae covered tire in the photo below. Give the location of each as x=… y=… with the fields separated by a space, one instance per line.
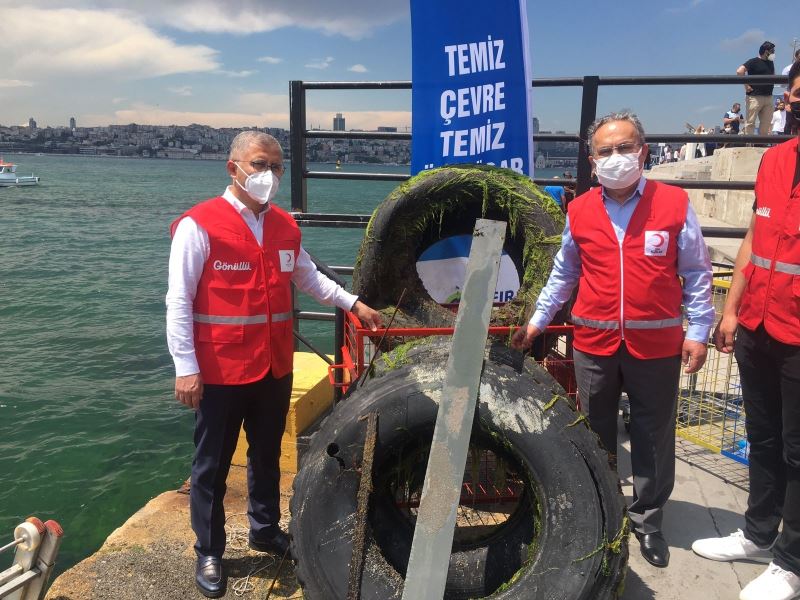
x=566 y=538
x=443 y=202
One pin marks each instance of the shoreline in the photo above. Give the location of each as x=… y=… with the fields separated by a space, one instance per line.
x=222 y=157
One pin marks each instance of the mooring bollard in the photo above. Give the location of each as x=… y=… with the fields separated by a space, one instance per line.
x=36 y=546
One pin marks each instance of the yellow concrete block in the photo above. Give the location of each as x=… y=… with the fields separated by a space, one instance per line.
x=312 y=394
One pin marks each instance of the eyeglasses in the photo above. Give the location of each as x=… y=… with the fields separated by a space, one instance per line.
x=260 y=165
x=624 y=148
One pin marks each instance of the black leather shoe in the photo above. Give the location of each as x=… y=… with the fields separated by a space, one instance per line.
x=209 y=577
x=277 y=544
x=654 y=548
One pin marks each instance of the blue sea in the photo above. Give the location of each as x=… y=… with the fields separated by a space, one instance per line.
x=89 y=428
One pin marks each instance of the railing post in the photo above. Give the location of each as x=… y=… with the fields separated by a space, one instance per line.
x=338 y=342
x=297 y=144
x=588 y=115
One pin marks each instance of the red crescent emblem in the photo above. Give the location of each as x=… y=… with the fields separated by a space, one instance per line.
x=660 y=240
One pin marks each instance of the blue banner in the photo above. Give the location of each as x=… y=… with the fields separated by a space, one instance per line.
x=471 y=84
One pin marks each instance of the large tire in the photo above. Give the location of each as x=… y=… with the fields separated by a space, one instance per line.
x=443 y=202
x=567 y=538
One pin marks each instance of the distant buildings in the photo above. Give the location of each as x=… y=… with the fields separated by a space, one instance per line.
x=187 y=142
x=338 y=122
x=388 y=129
x=72 y=123
x=31 y=123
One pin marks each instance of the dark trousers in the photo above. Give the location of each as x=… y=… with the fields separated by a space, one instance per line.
x=262 y=407
x=652 y=387
x=770 y=375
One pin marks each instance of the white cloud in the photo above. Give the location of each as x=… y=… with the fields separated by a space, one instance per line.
x=272 y=60
x=38 y=42
x=238 y=74
x=258 y=102
x=368 y=120
x=118 y=100
x=320 y=63
x=749 y=40
x=354 y=19
x=181 y=90
x=146 y=114
x=358 y=68
x=10 y=83
x=261 y=110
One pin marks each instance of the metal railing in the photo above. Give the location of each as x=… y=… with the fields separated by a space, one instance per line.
x=589 y=84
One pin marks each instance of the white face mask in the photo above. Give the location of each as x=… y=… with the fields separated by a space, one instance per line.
x=261 y=186
x=770 y=57
x=618 y=171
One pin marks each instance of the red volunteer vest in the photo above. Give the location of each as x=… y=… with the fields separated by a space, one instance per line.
x=629 y=291
x=243 y=306
x=772 y=294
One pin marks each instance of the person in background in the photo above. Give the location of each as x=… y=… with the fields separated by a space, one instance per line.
x=628 y=320
x=761 y=325
x=778 y=118
x=557 y=193
x=759 y=96
x=700 y=149
x=788 y=67
x=791 y=122
x=229 y=331
x=732 y=119
x=667 y=154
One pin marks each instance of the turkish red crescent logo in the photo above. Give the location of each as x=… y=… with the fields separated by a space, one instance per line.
x=657 y=240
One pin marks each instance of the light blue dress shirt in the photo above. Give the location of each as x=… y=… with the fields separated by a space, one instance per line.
x=694 y=265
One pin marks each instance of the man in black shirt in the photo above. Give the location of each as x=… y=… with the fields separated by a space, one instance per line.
x=759 y=97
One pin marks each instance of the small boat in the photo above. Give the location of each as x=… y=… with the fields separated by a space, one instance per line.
x=9 y=177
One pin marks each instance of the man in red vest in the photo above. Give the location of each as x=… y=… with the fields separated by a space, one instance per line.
x=627 y=243
x=762 y=311
x=229 y=330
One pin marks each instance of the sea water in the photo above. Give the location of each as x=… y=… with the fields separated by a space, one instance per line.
x=89 y=428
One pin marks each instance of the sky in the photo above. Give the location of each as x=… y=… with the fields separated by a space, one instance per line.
x=229 y=62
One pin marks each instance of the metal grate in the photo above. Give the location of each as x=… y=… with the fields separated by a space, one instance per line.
x=710 y=411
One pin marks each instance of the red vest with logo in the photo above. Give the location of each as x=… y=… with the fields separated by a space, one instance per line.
x=772 y=295
x=630 y=290
x=243 y=306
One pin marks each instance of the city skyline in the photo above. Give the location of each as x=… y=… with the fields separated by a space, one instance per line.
x=229 y=64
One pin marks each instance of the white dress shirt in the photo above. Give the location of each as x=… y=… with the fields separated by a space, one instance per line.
x=188 y=254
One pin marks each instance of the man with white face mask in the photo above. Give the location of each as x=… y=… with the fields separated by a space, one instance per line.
x=229 y=330
x=626 y=243
x=759 y=96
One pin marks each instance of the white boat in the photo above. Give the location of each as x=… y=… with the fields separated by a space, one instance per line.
x=9 y=177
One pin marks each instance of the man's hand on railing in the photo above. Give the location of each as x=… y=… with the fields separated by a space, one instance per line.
x=369 y=317
x=524 y=336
